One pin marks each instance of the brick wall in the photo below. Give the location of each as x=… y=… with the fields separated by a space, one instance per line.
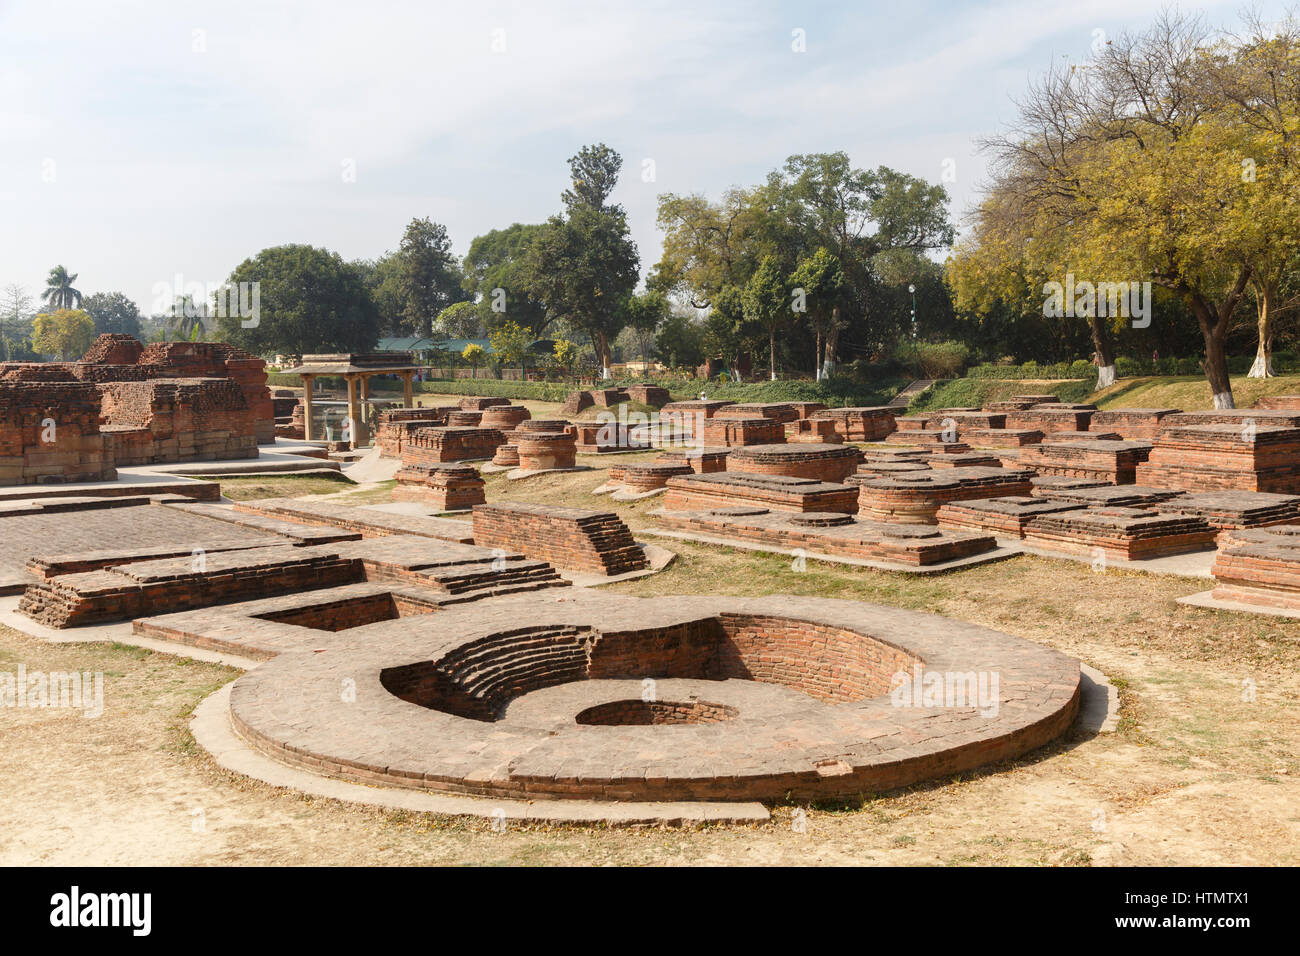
x=595 y=542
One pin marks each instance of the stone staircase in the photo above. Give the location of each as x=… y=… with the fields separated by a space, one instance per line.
x=905 y=397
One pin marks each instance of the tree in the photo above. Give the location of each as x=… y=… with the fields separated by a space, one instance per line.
x=1157 y=146
x=510 y=342
x=496 y=270
x=766 y=304
x=642 y=315
x=311 y=301
x=113 y=313
x=382 y=278
x=727 y=333
x=65 y=332
x=820 y=280
x=428 y=278
x=16 y=315
x=566 y=355
x=460 y=320
x=680 y=341
x=475 y=356
x=59 y=293
x=584 y=264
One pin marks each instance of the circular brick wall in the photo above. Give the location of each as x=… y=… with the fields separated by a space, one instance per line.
x=810 y=689
x=541 y=450
x=506 y=455
x=820 y=462
x=504 y=416
x=463 y=418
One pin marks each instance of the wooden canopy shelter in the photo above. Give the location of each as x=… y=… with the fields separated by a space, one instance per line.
x=355 y=368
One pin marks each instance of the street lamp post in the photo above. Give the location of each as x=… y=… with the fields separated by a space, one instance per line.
x=916 y=355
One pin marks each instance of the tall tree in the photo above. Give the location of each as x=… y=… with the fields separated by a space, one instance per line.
x=59 y=293
x=16 y=315
x=428 y=277
x=820 y=280
x=496 y=271
x=584 y=264
x=766 y=304
x=311 y=301
x=65 y=332
x=113 y=312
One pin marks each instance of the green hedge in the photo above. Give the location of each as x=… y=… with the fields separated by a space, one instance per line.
x=499 y=388
x=1080 y=369
x=978 y=392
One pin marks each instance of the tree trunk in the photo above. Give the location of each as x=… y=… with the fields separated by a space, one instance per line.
x=1105 y=355
x=1216 y=370
x=771 y=353
x=603 y=353
x=817 y=364
x=1263 y=367
x=832 y=340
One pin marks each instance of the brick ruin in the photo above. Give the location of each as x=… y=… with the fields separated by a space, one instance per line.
x=442 y=487
x=594 y=542
x=396 y=424
x=830 y=463
x=704 y=492
x=440 y=446
x=545 y=451
x=782 y=412
x=125 y=403
x=1115 y=462
x=1125 y=533
x=757 y=430
x=915 y=498
x=833 y=533
x=860 y=424
x=1223 y=456
x=1260 y=567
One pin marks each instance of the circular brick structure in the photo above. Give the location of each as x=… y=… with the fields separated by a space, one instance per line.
x=539 y=451
x=651 y=476
x=507 y=455
x=504 y=417
x=597 y=696
x=464 y=418
x=820 y=462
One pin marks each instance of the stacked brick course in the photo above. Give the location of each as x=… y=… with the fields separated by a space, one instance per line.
x=861 y=424
x=395 y=424
x=446 y=488
x=1260 y=567
x=539 y=451
x=1115 y=462
x=687 y=415
x=776 y=492
x=1221 y=457
x=821 y=431
x=832 y=463
x=731 y=431
x=916 y=498
x=205 y=419
x=50 y=432
x=1133 y=424
x=777 y=411
x=702 y=461
x=595 y=542
x=1007 y=517
x=1127 y=533
x=436 y=446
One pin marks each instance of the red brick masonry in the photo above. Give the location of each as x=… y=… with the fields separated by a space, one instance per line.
x=595 y=542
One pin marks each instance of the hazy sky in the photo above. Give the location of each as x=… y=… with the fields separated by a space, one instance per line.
x=143 y=140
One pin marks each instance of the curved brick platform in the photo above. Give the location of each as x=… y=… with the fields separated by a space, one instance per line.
x=652 y=475
x=818 y=462
x=771 y=697
x=504 y=417
x=917 y=497
x=539 y=451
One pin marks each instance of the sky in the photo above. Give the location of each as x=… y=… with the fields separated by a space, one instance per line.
x=141 y=142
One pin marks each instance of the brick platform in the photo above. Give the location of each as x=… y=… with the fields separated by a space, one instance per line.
x=1006 y=517
x=437 y=446
x=741 y=431
x=643 y=477
x=1115 y=462
x=1236 y=510
x=1276 y=417
x=539 y=451
x=775 y=492
x=965 y=420
x=932 y=442
x=49 y=432
x=903 y=467
x=797 y=689
x=507 y=456
x=832 y=463
x=464 y=418
x=367 y=521
x=1050 y=419
x=861 y=423
x=1003 y=437
x=688 y=415
x=595 y=542
x=478 y=403
x=504 y=417
x=819 y=431
x=1260 y=567
x=832 y=533
x=777 y=411
x=395 y=424
x=968 y=459
x=916 y=498
x=595 y=438
x=1118 y=496
x=1132 y=424
x=444 y=487
x=703 y=461
x=1045 y=485
x=1127 y=533
x=649 y=394
x=1289 y=403
x=1225 y=457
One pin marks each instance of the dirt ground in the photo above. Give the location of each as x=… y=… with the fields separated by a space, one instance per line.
x=1203 y=768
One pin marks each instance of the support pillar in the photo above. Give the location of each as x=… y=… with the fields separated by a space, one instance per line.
x=307 y=381
x=354 y=422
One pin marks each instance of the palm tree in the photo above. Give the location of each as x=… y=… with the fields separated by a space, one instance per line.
x=59 y=293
